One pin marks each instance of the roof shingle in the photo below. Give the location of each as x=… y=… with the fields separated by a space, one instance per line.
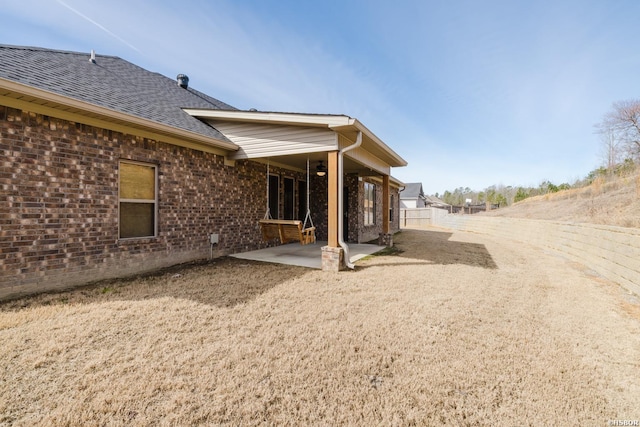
x=110 y=82
x=412 y=190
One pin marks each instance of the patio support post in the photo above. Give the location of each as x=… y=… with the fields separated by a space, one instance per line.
x=332 y=254
x=385 y=204
x=332 y=175
x=386 y=238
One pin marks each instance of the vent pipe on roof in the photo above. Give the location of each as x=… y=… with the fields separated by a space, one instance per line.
x=183 y=81
x=93 y=57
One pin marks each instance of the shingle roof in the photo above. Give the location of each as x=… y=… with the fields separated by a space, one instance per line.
x=110 y=82
x=434 y=201
x=412 y=190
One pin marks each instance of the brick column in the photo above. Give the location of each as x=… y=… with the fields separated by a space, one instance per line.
x=386 y=196
x=385 y=239
x=332 y=258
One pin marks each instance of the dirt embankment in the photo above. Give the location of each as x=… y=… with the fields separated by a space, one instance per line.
x=608 y=202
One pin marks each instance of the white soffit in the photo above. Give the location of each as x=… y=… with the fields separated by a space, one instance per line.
x=341 y=124
x=323 y=120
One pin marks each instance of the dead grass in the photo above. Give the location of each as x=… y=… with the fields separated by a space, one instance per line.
x=613 y=201
x=489 y=333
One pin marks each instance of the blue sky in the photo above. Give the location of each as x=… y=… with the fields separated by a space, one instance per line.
x=471 y=93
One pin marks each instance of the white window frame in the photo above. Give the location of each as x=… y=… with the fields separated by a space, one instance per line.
x=369 y=209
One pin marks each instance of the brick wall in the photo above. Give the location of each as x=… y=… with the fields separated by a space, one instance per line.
x=319 y=204
x=59 y=204
x=353 y=212
x=372 y=232
x=357 y=232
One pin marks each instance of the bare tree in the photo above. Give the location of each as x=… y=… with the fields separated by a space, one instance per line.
x=610 y=149
x=623 y=125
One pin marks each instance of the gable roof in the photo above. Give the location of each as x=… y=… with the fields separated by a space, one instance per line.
x=435 y=202
x=107 y=91
x=110 y=83
x=412 y=190
x=339 y=123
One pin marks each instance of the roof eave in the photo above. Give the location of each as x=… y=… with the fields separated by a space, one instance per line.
x=396 y=182
x=395 y=159
x=337 y=123
x=298 y=119
x=111 y=114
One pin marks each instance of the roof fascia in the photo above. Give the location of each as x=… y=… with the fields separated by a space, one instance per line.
x=396 y=182
x=272 y=117
x=155 y=128
x=393 y=182
x=357 y=125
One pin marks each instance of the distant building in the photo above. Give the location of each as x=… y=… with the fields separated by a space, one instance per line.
x=434 y=202
x=412 y=196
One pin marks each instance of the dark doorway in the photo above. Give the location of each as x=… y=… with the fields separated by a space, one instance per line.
x=289 y=198
x=302 y=200
x=345 y=214
x=274 y=193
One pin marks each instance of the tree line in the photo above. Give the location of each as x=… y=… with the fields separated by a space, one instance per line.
x=619 y=133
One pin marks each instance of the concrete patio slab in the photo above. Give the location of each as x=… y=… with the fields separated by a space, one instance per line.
x=305 y=255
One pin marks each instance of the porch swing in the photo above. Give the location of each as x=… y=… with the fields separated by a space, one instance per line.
x=288 y=230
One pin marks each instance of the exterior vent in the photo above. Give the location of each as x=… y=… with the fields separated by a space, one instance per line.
x=93 y=57
x=183 y=81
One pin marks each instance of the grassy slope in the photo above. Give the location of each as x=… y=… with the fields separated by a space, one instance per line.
x=605 y=201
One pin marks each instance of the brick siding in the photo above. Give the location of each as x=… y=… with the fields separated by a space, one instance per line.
x=357 y=232
x=372 y=232
x=59 y=204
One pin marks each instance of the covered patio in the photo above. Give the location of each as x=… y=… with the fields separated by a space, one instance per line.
x=305 y=255
x=354 y=157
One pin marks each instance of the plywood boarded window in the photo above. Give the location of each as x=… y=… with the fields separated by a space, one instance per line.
x=138 y=200
x=369 y=203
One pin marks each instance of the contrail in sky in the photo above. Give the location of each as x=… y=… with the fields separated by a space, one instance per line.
x=97 y=25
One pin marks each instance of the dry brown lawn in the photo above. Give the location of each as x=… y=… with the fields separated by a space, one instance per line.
x=456 y=329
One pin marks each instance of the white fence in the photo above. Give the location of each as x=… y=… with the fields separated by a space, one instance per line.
x=420 y=217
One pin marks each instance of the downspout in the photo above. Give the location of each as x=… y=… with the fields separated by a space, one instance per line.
x=341 y=241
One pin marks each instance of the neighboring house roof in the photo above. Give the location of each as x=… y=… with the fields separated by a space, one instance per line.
x=435 y=202
x=111 y=83
x=412 y=190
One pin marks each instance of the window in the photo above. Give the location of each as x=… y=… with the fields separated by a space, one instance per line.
x=369 y=203
x=302 y=200
x=289 y=198
x=391 y=209
x=138 y=200
x=274 y=196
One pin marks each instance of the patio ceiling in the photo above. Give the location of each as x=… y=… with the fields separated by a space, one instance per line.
x=289 y=139
x=299 y=162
